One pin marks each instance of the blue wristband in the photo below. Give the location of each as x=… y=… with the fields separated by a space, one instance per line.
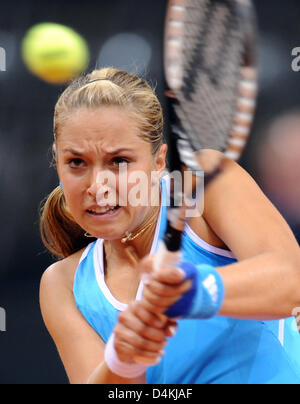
x=205 y=298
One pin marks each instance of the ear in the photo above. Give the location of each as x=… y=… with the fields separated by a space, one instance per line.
x=160 y=159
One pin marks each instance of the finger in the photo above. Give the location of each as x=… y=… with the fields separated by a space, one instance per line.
x=171 y=276
x=160 y=301
x=166 y=290
x=124 y=334
x=157 y=320
x=141 y=310
x=135 y=324
x=156 y=310
x=171 y=328
x=146 y=265
x=142 y=360
x=127 y=352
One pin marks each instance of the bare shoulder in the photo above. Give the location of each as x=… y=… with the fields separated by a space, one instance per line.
x=62 y=272
x=56 y=291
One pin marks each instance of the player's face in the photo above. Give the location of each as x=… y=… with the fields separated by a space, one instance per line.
x=105 y=168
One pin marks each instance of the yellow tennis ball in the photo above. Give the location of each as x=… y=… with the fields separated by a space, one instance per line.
x=54 y=52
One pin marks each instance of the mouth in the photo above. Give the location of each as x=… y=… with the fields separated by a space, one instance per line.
x=103 y=211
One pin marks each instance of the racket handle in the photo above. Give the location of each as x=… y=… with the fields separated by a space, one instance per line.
x=165 y=258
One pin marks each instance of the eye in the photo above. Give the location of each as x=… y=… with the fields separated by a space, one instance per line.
x=117 y=161
x=75 y=163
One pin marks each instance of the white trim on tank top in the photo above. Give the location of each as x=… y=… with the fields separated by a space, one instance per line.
x=205 y=246
x=85 y=253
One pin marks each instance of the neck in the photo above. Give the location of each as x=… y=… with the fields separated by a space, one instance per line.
x=136 y=244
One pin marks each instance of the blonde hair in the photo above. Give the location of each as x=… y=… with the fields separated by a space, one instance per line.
x=61 y=235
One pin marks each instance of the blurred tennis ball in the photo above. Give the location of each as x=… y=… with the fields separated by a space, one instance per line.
x=54 y=52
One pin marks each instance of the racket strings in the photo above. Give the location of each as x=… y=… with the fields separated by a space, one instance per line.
x=211 y=71
x=209 y=39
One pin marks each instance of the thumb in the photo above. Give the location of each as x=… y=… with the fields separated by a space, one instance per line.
x=147 y=264
x=146 y=269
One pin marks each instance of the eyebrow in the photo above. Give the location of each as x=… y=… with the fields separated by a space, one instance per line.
x=111 y=151
x=119 y=151
x=72 y=151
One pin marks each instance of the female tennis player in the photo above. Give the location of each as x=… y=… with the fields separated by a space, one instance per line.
x=99 y=312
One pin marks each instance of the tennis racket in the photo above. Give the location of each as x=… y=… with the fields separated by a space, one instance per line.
x=210 y=70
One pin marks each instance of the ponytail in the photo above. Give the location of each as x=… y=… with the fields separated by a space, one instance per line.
x=60 y=234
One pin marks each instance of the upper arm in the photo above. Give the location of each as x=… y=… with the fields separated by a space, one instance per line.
x=243 y=217
x=80 y=347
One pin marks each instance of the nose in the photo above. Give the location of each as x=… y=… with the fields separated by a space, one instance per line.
x=93 y=190
x=102 y=187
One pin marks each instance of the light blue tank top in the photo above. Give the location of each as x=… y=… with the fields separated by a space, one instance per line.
x=220 y=350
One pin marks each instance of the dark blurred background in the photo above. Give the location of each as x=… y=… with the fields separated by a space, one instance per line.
x=127 y=34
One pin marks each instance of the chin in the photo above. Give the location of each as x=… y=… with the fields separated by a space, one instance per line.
x=106 y=235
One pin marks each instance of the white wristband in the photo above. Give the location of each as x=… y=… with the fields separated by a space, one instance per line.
x=128 y=370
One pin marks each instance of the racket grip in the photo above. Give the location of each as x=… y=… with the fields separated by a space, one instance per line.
x=165 y=258
x=204 y=300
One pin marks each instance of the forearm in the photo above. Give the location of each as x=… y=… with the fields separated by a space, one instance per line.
x=103 y=375
x=265 y=287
